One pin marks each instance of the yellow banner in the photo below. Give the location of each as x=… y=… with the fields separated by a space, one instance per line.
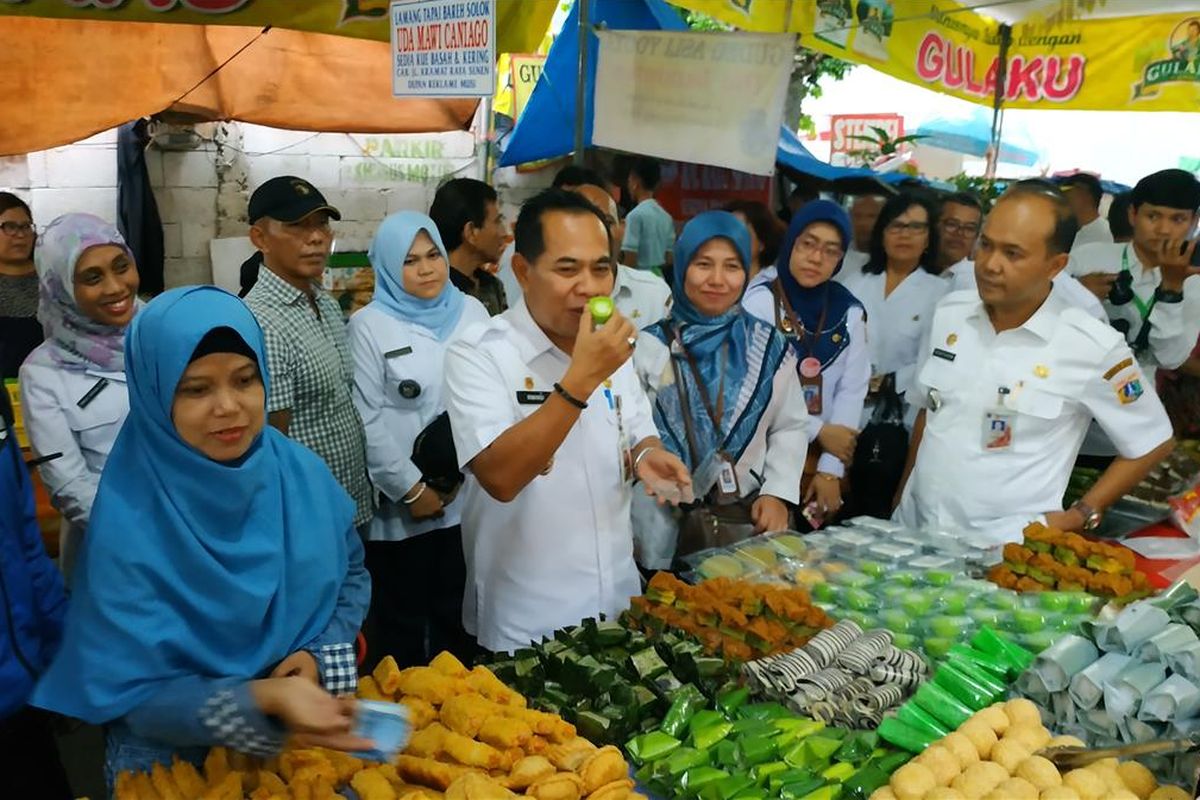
x=1145 y=63
x=520 y=24
x=526 y=69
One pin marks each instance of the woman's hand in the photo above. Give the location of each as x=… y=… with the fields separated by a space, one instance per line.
x=315 y=717
x=838 y=440
x=299 y=663
x=769 y=514
x=428 y=504
x=826 y=489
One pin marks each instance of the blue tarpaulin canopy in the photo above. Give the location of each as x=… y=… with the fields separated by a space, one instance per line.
x=971 y=134
x=546 y=127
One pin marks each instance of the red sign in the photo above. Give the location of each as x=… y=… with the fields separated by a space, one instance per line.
x=690 y=189
x=845 y=126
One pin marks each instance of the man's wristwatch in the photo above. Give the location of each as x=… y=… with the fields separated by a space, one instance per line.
x=1091 y=517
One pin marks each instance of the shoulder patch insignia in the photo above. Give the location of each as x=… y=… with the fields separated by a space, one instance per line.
x=1129 y=389
x=1116 y=368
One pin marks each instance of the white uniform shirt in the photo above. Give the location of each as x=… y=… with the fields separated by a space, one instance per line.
x=641 y=296
x=386 y=352
x=772 y=462
x=56 y=423
x=1095 y=232
x=852 y=265
x=843 y=383
x=896 y=323
x=1174 y=327
x=562 y=550
x=962 y=278
x=1062 y=369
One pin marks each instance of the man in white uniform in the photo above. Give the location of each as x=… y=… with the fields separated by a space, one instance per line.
x=553 y=427
x=1013 y=375
x=1150 y=291
x=1084 y=193
x=864 y=212
x=958 y=224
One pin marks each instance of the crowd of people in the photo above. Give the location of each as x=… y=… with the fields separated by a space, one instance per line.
x=475 y=459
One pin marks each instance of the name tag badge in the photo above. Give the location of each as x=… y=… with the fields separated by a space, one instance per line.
x=96 y=389
x=998 y=430
x=812 y=394
x=399 y=351
x=532 y=398
x=727 y=482
x=944 y=354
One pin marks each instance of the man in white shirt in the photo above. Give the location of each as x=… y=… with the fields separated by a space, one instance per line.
x=1012 y=378
x=864 y=212
x=958 y=224
x=1149 y=289
x=1084 y=193
x=649 y=229
x=552 y=426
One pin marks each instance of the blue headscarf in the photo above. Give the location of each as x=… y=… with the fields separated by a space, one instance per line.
x=390 y=247
x=830 y=300
x=193 y=567
x=745 y=347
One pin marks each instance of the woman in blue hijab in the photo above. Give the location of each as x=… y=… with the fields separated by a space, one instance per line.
x=398 y=342
x=726 y=397
x=221 y=584
x=826 y=326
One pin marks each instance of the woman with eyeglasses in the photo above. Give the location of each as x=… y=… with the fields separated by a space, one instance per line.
x=825 y=326
x=73 y=385
x=20 y=331
x=899 y=288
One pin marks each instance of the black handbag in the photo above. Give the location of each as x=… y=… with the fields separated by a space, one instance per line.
x=434 y=454
x=879 y=456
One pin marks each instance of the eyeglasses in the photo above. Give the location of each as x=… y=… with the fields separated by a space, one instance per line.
x=828 y=252
x=17 y=228
x=907 y=227
x=954 y=227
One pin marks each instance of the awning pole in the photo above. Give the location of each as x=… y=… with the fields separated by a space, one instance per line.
x=998 y=100
x=581 y=82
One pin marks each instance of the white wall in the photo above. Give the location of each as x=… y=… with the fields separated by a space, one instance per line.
x=202 y=191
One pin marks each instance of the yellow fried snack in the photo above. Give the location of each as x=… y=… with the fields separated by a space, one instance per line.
x=470 y=753
x=553 y=727
x=466 y=713
x=312 y=761
x=559 y=786
x=271 y=782
x=504 y=732
x=228 y=788
x=528 y=770
x=124 y=788
x=266 y=794
x=407 y=792
x=240 y=762
x=601 y=768
x=187 y=779
x=617 y=790
x=427 y=684
x=319 y=789
x=387 y=675
x=447 y=664
x=428 y=742
x=216 y=765
x=345 y=764
x=164 y=784
x=421 y=713
x=368 y=689
x=370 y=784
x=536 y=746
x=477 y=786
x=483 y=681
x=143 y=789
x=571 y=754
x=428 y=772
x=312 y=774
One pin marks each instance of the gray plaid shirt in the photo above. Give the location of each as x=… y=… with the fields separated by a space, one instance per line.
x=311 y=375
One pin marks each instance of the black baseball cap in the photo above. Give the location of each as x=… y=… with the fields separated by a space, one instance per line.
x=288 y=199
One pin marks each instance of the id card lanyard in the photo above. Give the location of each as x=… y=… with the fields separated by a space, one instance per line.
x=811 y=380
x=727 y=489
x=1142 y=340
x=999 y=423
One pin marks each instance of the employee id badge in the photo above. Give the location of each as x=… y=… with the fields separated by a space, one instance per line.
x=726 y=488
x=812 y=388
x=998 y=429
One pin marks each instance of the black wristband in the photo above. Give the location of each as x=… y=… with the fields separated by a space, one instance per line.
x=565 y=395
x=1167 y=296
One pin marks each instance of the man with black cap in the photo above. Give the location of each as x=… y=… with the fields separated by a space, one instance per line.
x=307 y=350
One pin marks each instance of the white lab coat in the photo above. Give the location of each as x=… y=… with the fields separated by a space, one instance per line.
x=844 y=382
x=387 y=351
x=55 y=423
x=771 y=464
x=896 y=323
x=562 y=550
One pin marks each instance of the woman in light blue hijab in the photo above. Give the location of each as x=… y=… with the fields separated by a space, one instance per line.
x=726 y=396
x=398 y=342
x=221 y=584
